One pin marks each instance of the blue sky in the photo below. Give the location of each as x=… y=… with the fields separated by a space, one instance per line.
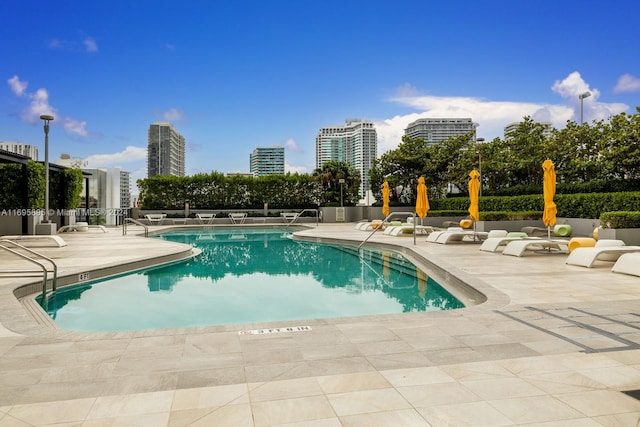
x=235 y=75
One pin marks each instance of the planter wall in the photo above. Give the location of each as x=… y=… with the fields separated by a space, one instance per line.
x=630 y=236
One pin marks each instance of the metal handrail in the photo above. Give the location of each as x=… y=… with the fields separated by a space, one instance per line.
x=135 y=221
x=413 y=215
x=54 y=284
x=301 y=212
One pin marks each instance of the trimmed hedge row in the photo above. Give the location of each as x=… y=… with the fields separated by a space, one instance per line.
x=590 y=205
x=620 y=219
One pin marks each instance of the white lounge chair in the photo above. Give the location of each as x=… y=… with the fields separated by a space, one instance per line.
x=370 y=225
x=586 y=257
x=155 y=219
x=205 y=218
x=81 y=227
x=237 y=217
x=492 y=244
x=40 y=240
x=628 y=263
x=433 y=237
x=520 y=246
x=407 y=230
x=461 y=236
x=289 y=217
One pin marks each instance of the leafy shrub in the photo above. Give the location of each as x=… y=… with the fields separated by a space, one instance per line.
x=620 y=219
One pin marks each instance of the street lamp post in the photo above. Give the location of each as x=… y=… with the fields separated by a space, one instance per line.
x=582 y=96
x=341 y=181
x=46 y=118
x=480 y=141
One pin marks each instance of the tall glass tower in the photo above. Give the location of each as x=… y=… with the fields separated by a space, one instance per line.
x=267 y=161
x=355 y=143
x=165 y=150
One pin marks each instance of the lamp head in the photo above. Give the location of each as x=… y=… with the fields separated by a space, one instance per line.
x=46 y=117
x=584 y=95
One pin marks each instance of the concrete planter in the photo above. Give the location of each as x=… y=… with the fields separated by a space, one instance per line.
x=630 y=236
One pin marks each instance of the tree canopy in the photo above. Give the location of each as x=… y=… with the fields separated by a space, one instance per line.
x=601 y=150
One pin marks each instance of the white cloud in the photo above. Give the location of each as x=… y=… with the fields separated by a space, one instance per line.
x=493 y=116
x=75 y=127
x=17 y=87
x=87 y=44
x=627 y=83
x=39 y=104
x=291 y=145
x=173 y=114
x=90 y=44
x=128 y=155
x=295 y=169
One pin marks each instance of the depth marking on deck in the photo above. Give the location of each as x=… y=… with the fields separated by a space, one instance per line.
x=275 y=330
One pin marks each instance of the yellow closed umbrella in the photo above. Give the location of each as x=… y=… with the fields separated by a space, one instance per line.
x=549 y=191
x=422 y=201
x=385 y=199
x=474 y=199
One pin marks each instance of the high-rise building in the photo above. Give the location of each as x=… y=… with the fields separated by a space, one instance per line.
x=355 y=143
x=267 y=161
x=511 y=127
x=165 y=150
x=27 y=150
x=434 y=131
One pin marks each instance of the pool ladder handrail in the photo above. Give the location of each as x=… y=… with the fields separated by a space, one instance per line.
x=386 y=220
x=135 y=221
x=54 y=283
x=317 y=212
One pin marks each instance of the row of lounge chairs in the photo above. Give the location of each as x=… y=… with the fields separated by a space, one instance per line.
x=584 y=252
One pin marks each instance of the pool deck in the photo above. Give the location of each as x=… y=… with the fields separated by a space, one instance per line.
x=553 y=345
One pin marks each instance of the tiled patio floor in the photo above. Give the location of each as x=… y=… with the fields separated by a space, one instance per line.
x=553 y=345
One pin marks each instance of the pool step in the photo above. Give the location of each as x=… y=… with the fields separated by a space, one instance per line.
x=392 y=260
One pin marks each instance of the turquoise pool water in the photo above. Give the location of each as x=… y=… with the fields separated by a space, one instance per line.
x=249 y=275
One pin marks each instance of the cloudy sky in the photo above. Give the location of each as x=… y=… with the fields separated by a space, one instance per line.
x=235 y=75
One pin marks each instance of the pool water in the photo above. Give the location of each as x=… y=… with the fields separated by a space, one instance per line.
x=249 y=275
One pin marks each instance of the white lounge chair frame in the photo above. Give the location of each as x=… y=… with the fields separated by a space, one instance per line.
x=289 y=217
x=155 y=219
x=519 y=247
x=492 y=244
x=586 y=257
x=461 y=236
x=433 y=237
x=401 y=230
x=42 y=240
x=238 y=217
x=206 y=218
x=81 y=228
x=628 y=263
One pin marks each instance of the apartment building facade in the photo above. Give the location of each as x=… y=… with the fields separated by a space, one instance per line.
x=355 y=142
x=267 y=161
x=27 y=150
x=434 y=131
x=165 y=150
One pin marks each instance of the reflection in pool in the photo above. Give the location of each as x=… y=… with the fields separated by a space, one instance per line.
x=247 y=275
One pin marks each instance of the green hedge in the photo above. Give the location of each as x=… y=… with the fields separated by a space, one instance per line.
x=65 y=187
x=590 y=205
x=620 y=219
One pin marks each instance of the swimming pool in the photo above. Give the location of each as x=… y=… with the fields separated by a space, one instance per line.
x=249 y=275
